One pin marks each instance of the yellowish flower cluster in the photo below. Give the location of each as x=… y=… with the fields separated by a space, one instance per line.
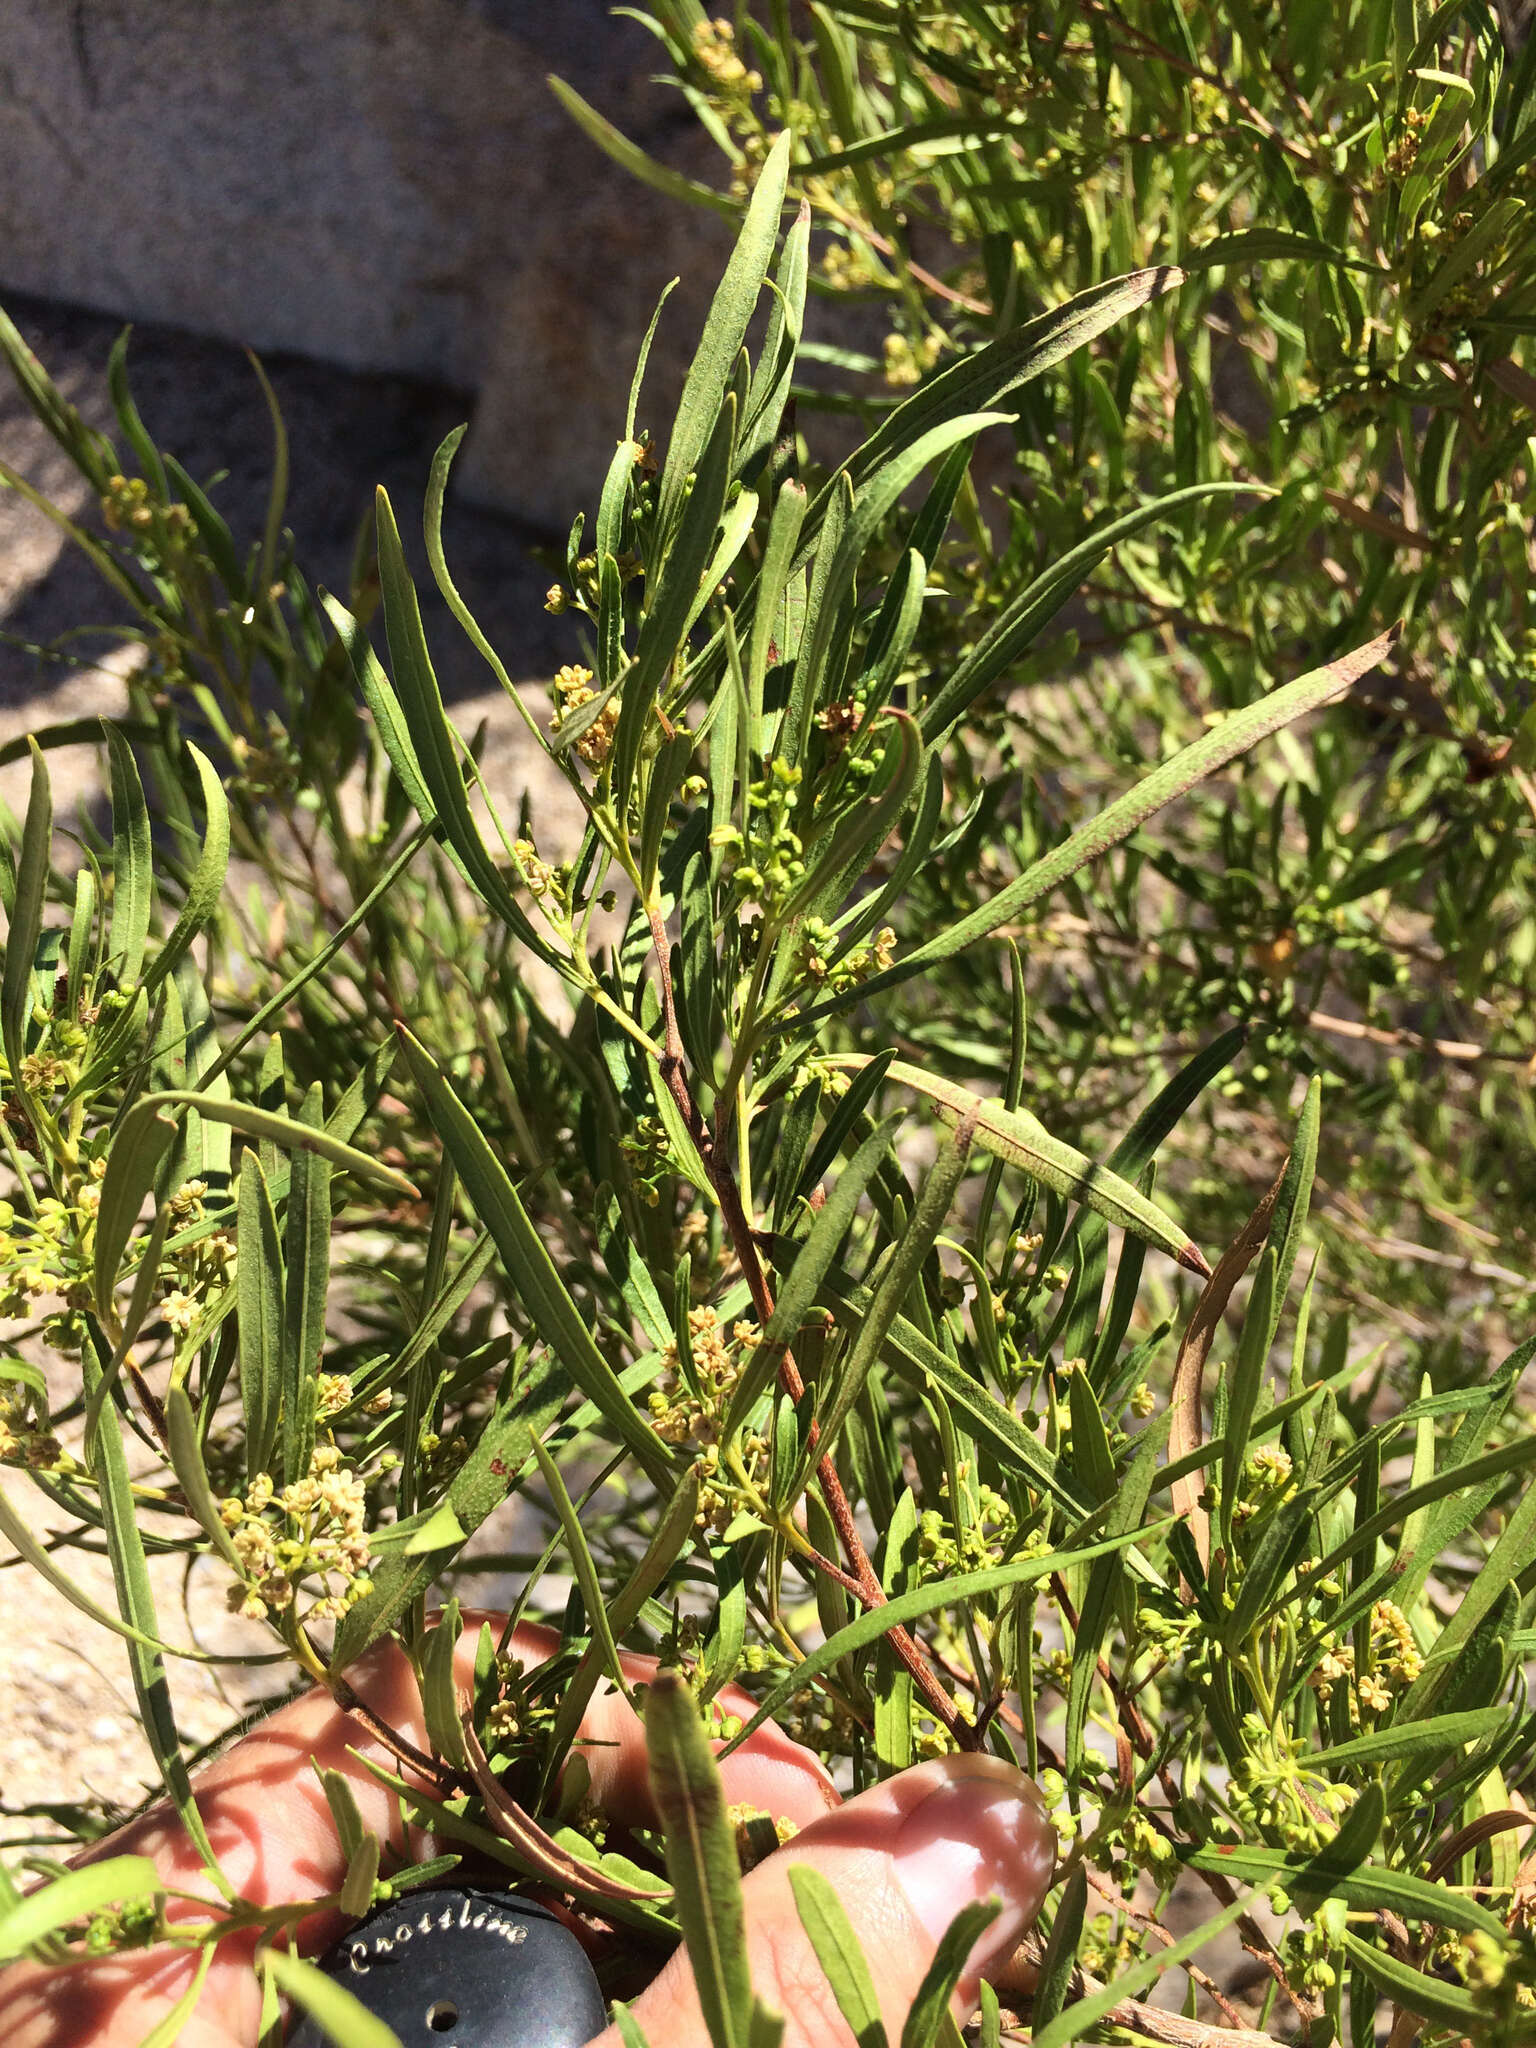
x=314 y=1529
x=905 y=364
x=573 y=688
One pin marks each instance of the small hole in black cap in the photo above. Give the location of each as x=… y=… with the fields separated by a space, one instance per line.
x=443 y=2016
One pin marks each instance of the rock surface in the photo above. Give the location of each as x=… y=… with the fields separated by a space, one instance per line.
x=386 y=188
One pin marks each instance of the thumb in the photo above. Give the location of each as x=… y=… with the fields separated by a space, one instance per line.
x=904 y=1858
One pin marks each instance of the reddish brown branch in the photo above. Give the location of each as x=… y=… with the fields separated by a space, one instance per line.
x=860 y=1579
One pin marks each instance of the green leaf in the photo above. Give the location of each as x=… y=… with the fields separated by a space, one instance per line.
x=931 y=2007
x=799 y=1286
x=191 y=1471
x=529 y=1267
x=439 y=1692
x=630 y=157
x=674 y=1535
x=285 y=1131
x=864 y=827
x=343 y=2018
x=701 y=1858
x=1435 y=1732
x=1060 y=1956
x=673 y=600
x=307 y=1262
x=1245 y=1381
x=1269 y=245
x=356 y=1894
x=259 y=1284
x=1017 y=1136
x=830 y=1933
x=433 y=758
x=578 y=1555
x=1076 y=2021
x=136 y=1605
x=953 y=1592
x=388 y=714
x=132 y=1164
x=26 y=921
x=978 y=381
x=206 y=888
x=1368 y=1888
x=1292 y=1203
x=725 y=330
x=1432 y=1998
x=1016 y=626
x=1234 y=735
x=1509 y=1558
x=133 y=863
x=73 y=1897
x=901 y=1276
x=527 y=1402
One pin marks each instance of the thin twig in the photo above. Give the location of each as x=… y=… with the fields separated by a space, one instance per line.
x=861 y=1581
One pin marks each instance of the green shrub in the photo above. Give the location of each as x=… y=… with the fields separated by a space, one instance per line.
x=640 y=1180
x=1347 y=188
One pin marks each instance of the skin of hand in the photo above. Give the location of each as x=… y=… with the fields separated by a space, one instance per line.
x=904 y=1858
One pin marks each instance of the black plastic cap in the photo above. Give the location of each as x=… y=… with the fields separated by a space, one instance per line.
x=466 y=1969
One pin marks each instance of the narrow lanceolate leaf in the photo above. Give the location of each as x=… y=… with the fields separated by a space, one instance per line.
x=831 y=1935
x=1234 y=735
x=306 y=1287
x=440 y=1702
x=955 y=1592
x=538 y=1286
x=1434 y=1998
x=527 y=1403
x=980 y=380
x=674 y=1534
x=259 y=1300
x=725 y=330
x=26 y=918
x=1060 y=1951
x=797 y=1293
x=284 y=1131
x=432 y=758
x=1017 y=625
x=865 y=826
x=344 y=2019
x=132 y=1164
x=1367 y=1888
x=136 y=1604
x=1294 y=1200
x=207 y=884
x=192 y=1473
x=1017 y=1136
x=701 y=1858
x=386 y=709
x=900 y=1277
x=931 y=2006
x=1438 y=1731
x=1189 y=1370
x=72 y=1897
x=133 y=870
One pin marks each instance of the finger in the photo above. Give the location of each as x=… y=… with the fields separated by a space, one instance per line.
x=904 y=1858
x=270 y=1827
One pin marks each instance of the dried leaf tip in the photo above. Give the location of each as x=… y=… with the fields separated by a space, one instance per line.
x=1193 y=1260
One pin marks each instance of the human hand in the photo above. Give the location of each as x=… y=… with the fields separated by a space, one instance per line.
x=904 y=1857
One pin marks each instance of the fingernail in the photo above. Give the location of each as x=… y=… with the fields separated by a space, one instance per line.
x=983 y=1831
